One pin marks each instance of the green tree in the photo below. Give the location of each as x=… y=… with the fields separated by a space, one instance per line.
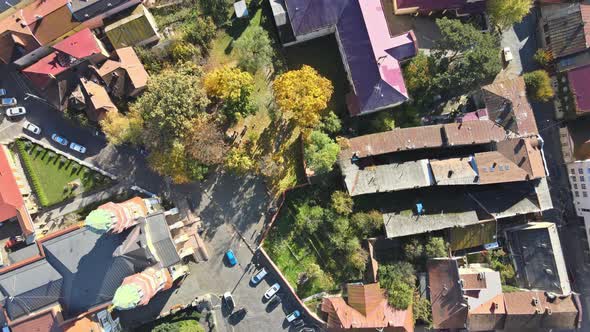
x=309 y=218
x=414 y=250
x=418 y=75
x=342 y=203
x=302 y=94
x=464 y=57
x=399 y=272
x=239 y=161
x=181 y=50
x=422 y=310
x=504 y=13
x=538 y=85
x=356 y=259
x=321 y=152
x=435 y=247
x=331 y=123
x=166 y=327
x=189 y=326
x=400 y=295
x=544 y=58
x=218 y=10
x=254 y=49
x=318 y=277
x=383 y=121
x=169 y=105
x=367 y=224
x=200 y=31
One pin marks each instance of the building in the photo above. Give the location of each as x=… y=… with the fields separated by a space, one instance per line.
x=137 y=29
x=471 y=297
x=123 y=254
x=578 y=84
x=427 y=7
x=536 y=252
x=370 y=53
x=97 y=100
x=365 y=309
x=7 y=8
x=124 y=75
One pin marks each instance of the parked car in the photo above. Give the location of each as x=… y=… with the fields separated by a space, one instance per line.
x=59 y=140
x=259 y=276
x=272 y=291
x=8 y=102
x=507 y=54
x=273 y=303
x=32 y=128
x=229 y=300
x=231 y=258
x=238 y=315
x=293 y=316
x=15 y=111
x=298 y=323
x=77 y=147
x=2 y=92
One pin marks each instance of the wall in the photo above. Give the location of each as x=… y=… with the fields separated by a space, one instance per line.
x=579 y=178
x=312 y=35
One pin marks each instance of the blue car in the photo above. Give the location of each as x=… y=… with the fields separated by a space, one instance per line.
x=231 y=258
x=58 y=139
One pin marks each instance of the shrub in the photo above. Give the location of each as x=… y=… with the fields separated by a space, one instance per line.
x=436 y=247
x=239 y=162
x=342 y=202
x=543 y=58
x=538 y=85
x=321 y=152
x=200 y=31
x=400 y=295
x=331 y=123
x=183 y=51
x=35 y=182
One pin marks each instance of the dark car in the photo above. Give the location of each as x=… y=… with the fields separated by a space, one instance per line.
x=273 y=303
x=237 y=316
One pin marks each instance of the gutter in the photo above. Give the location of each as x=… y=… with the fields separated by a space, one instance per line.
x=543 y=154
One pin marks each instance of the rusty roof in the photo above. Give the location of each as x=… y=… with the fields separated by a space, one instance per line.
x=367 y=308
x=14 y=32
x=534 y=310
x=494 y=167
x=526 y=153
x=473 y=281
x=130 y=63
x=448 y=309
x=473 y=132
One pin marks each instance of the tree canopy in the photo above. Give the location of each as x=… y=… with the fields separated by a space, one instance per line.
x=232 y=87
x=218 y=10
x=399 y=279
x=504 y=13
x=303 y=94
x=538 y=85
x=253 y=49
x=321 y=152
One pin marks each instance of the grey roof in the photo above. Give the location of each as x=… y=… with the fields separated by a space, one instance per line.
x=23 y=253
x=30 y=288
x=5 y=5
x=90 y=268
x=311 y=15
x=383 y=178
x=447 y=207
x=536 y=251
x=161 y=239
x=83 y=10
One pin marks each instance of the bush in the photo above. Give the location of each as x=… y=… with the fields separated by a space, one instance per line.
x=254 y=49
x=436 y=247
x=384 y=121
x=182 y=51
x=201 y=32
x=400 y=295
x=538 y=85
x=331 y=123
x=321 y=152
x=342 y=203
x=543 y=58
x=36 y=183
x=422 y=310
x=414 y=250
x=239 y=162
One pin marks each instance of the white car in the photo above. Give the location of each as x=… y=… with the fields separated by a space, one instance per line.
x=229 y=300
x=272 y=291
x=507 y=54
x=16 y=111
x=259 y=276
x=77 y=147
x=32 y=128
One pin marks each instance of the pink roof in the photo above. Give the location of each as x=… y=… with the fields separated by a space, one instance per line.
x=79 y=45
x=10 y=196
x=52 y=65
x=382 y=43
x=578 y=79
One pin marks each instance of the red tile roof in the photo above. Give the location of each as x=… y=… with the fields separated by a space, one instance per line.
x=79 y=45
x=43 y=71
x=534 y=310
x=578 y=80
x=367 y=308
x=10 y=196
x=44 y=322
x=41 y=8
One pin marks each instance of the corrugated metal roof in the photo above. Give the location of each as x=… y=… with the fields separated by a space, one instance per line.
x=159 y=235
x=311 y=15
x=578 y=80
x=567 y=34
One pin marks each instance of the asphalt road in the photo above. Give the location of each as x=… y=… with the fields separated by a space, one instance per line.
x=233 y=210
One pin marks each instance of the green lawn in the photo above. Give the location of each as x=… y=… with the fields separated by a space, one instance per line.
x=53 y=176
x=185 y=321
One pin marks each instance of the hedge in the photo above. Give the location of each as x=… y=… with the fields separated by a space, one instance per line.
x=26 y=158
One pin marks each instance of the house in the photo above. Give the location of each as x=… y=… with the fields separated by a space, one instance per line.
x=98 y=103
x=124 y=75
x=429 y=7
x=564 y=31
x=95 y=11
x=471 y=297
x=12 y=205
x=578 y=83
x=370 y=53
x=137 y=29
x=536 y=252
x=124 y=254
x=365 y=309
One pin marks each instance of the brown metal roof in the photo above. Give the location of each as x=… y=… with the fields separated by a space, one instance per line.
x=526 y=153
x=567 y=34
x=473 y=281
x=445 y=294
x=473 y=132
x=533 y=310
x=494 y=167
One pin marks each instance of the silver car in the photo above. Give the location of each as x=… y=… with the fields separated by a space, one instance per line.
x=272 y=291
x=15 y=111
x=32 y=128
x=77 y=147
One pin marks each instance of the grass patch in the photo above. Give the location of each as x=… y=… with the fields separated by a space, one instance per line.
x=187 y=320
x=55 y=178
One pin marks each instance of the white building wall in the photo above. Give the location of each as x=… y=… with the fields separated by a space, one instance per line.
x=579 y=178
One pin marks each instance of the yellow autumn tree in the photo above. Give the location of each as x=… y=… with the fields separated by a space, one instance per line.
x=231 y=88
x=302 y=94
x=120 y=129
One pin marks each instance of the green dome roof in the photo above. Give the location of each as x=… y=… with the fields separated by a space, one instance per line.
x=99 y=220
x=126 y=297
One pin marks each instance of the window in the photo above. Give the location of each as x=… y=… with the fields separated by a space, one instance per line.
x=585 y=194
x=588 y=169
x=582 y=178
x=577 y=194
x=573 y=171
x=573 y=178
x=583 y=186
x=575 y=186
x=585 y=210
x=580 y=171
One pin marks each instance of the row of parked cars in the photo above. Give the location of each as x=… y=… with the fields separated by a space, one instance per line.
x=271 y=295
x=15 y=111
